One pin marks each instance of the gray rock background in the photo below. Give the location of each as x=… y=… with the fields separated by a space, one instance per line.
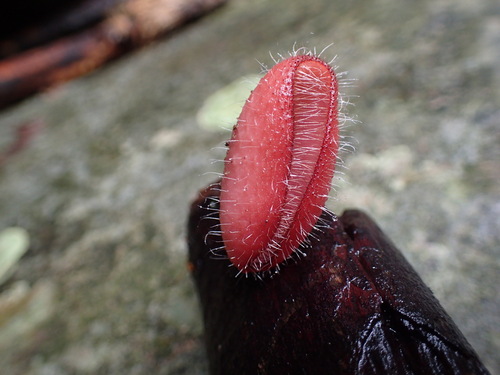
x=104 y=189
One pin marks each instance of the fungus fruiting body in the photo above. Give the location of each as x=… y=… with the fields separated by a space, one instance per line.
x=280 y=163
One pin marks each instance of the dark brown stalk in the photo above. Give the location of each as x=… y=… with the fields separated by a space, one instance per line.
x=353 y=305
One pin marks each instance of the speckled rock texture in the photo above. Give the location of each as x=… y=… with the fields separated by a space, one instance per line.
x=104 y=186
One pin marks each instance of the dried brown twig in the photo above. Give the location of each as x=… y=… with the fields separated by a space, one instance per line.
x=127 y=25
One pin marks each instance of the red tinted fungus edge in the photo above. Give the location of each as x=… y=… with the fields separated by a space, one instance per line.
x=280 y=163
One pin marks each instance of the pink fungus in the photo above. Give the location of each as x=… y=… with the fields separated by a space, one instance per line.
x=280 y=163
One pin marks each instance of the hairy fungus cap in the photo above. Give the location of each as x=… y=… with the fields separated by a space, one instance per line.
x=280 y=163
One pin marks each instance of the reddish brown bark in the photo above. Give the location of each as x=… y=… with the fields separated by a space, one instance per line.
x=128 y=25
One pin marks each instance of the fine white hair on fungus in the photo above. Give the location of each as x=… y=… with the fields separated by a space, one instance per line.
x=345 y=145
x=346 y=142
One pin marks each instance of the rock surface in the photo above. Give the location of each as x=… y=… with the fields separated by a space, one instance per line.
x=104 y=187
